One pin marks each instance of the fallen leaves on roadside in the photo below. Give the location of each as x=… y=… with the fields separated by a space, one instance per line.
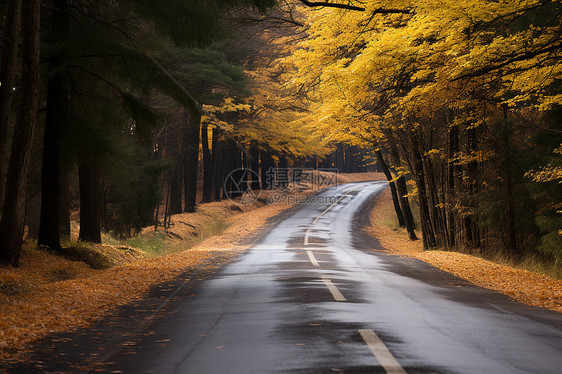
x=522 y=285
x=49 y=294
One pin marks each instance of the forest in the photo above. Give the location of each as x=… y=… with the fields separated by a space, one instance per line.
x=123 y=111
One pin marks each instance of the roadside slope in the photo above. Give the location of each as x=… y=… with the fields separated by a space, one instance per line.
x=525 y=286
x=37 y=299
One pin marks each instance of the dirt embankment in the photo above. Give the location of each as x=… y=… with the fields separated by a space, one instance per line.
x=522 y=285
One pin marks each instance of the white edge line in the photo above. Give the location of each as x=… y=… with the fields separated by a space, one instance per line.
x=312 y=258
x=381 y=352
x=333 y=289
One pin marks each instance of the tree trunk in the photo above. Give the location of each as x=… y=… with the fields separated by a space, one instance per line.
x=402 y=190
x=350 y=164
x=267 y=171
x=388 y=176
x=512 y=236
x=284 y=181
x=191 y=161
x=90 y=204
x=207 y=164
x=451 y=178
x=406 y=209
x=7 y=77
x=175 y=188
x=57 y=94
x=58 y=104
x=471 y=232
x=339 y=158
x=246 y=168
x=428 y=234
x=436 y=213
x=33 y=213
x=13 y=217
x=217 y=164
x=255 y=168
x=512 y=230
x=232 y=173
x=64 y=205
x=238 y=168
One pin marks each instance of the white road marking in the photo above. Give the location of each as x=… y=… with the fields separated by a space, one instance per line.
x=328 y=208
x=381 y=352
x=326 y=211
x=312 y=258
x=333 y=289
x=333 y=204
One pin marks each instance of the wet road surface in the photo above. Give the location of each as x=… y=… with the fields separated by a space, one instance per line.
x=313 y=297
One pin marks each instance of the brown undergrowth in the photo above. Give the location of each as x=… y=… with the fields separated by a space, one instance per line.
x=522 y=285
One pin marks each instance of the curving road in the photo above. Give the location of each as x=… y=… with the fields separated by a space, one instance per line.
x=313 y=297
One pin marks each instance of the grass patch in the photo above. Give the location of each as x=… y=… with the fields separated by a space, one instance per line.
x=215 y=227
x=537 y=265
x=107 y=238
x=163 y=243
x=153 y=245
x=386 y=215
x=531 y=262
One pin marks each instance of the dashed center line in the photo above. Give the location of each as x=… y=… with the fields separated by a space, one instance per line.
x=333 y=289
x=312 y=258
x=306 y=237
x=326 y=211
x=375 y=344
x=331 y=206
x=381 y=352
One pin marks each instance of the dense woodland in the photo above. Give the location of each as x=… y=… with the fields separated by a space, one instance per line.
x=123 y=111
x=462 y=99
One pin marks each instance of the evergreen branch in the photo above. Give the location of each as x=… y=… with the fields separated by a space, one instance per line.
x=194 y=106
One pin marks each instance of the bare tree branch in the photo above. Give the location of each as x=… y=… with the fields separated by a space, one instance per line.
x=353 y=7
x=331 y=5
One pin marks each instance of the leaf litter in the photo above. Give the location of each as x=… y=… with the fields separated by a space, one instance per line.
x=49 y=294
x=522 y=285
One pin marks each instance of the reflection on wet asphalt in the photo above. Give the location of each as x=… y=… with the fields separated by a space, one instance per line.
x=314 y=297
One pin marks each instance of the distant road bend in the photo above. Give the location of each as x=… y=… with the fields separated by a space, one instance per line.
x=313 y=297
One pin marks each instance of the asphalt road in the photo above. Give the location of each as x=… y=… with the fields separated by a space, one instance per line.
x=314 y=297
